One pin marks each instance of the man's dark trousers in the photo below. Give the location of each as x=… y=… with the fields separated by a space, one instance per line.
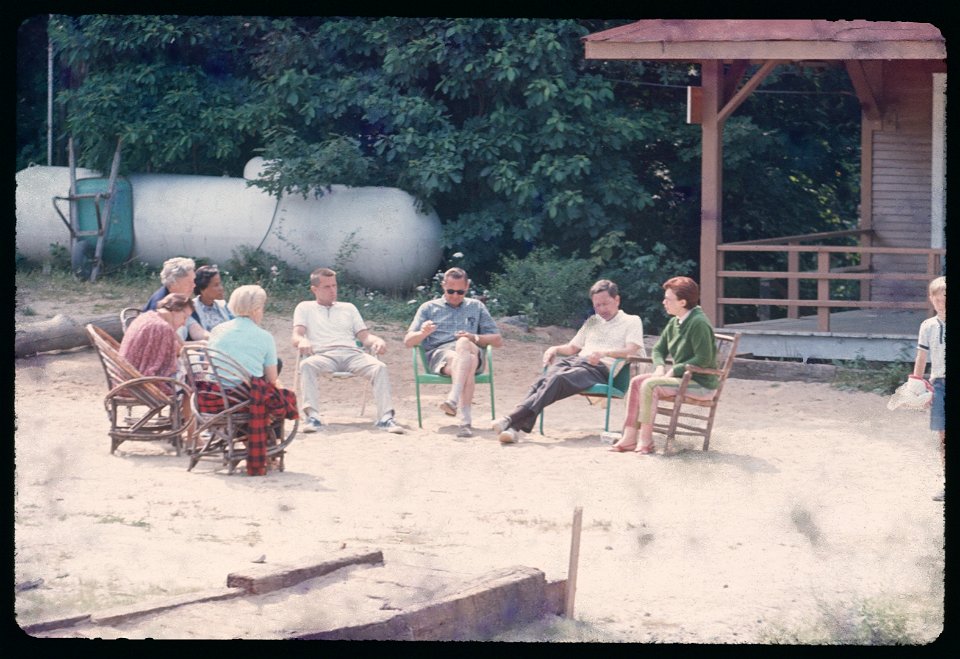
x=565 y=377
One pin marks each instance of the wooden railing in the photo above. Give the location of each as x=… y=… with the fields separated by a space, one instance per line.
x=793 y=247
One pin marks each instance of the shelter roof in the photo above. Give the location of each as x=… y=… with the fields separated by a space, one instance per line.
x=801 y=39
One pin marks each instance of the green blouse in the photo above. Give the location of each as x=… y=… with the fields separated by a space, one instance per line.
x=689 y=342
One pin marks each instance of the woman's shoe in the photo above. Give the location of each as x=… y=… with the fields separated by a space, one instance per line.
x=646 y=450
x=622 y=449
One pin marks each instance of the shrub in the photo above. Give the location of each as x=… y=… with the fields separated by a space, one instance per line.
x=882 y=378
x=640 y=275
x=548 y=289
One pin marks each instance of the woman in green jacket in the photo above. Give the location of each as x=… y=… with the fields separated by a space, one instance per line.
x=688 y=339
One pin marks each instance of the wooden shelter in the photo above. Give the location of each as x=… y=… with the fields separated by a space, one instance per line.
x=898 y=71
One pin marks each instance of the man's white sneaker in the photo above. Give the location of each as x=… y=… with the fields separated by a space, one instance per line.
x=508 y=436
x=311 y=424
x=501 y=424
x=391 y=426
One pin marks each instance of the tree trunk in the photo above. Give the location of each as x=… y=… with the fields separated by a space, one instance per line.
x=61 y=333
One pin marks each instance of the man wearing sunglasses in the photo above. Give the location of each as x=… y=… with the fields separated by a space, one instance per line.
x=454 y=330
x=583 y=362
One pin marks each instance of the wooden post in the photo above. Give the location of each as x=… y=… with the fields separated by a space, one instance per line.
x=823 y=291
x=793 y=284
x=711 y=175
x=574 y=560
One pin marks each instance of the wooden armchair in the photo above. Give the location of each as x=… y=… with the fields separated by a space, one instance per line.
x=221 y=407
x=688 y=413
x=152 y=403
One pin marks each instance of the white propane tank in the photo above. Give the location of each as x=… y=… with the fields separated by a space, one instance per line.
x=387 y=242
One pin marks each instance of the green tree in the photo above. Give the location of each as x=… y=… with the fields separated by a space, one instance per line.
x=500 y=125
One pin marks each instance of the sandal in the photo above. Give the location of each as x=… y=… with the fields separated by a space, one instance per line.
x=621 y=449
x=646 y=450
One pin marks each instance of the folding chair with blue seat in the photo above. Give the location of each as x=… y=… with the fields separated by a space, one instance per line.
x=426 y=377
x=618 y=381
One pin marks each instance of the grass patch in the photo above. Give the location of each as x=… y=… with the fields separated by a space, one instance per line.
x=863 y=622
x=873 y=377
x=114 y=519
x=558 y=630
x=132 y=284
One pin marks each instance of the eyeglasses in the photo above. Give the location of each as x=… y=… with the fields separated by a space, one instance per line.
x=454 y=291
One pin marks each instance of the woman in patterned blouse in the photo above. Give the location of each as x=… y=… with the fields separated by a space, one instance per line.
x=151 y=344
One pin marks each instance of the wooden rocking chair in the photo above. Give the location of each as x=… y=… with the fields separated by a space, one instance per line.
x=690 y=414
x=223 y=433
x=152 y=403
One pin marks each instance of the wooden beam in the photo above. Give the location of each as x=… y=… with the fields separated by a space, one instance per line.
x=834 y=274
x=852 y=304
x=865 y=93
x=747 y=89
x=732 y=78
x=694 y=51
x=833 y=249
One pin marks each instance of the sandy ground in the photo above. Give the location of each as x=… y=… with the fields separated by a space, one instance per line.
x=809 y=498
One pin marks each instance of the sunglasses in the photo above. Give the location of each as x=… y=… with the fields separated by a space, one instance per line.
x=453 y=291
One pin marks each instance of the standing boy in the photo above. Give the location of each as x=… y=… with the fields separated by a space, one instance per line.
x=933 y=342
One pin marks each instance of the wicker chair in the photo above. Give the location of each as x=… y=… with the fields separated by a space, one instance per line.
x=127 y=316
x=152 y=404
x=223 y=433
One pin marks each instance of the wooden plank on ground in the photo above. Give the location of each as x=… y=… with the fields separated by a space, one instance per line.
x=59 y=623
x=263 y=578
x=126 y=613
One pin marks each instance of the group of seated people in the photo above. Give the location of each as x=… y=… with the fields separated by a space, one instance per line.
x=453 y=330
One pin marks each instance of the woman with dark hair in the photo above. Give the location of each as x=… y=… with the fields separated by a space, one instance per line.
x=209 y=307
x=688 y=339
x=151 y=344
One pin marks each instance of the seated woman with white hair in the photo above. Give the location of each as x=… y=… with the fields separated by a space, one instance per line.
x=255 y=349
x=243 y=339
x=177 y=276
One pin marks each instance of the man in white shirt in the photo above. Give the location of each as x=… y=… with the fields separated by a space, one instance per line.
x=326 y=331
x=584 y=361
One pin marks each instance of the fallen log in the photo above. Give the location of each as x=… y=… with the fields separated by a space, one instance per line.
x=61 y=333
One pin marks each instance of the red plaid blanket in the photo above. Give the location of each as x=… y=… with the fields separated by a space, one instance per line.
x=267 y=403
